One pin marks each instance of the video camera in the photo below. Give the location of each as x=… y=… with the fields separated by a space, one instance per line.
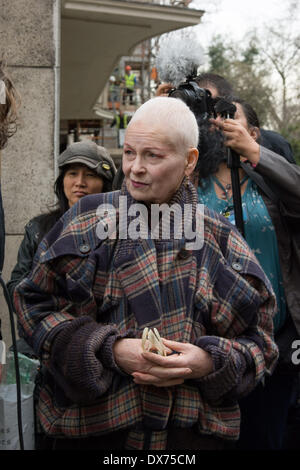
x=204 y=107
x=201 y=102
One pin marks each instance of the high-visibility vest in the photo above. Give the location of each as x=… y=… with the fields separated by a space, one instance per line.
x=129 y=81
x=118 y=120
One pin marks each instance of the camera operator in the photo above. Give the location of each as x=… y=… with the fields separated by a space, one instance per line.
x=268 y=222
x=220 y=87
x=8 y=117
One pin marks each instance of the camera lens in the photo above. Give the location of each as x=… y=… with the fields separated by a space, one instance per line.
x=185 y=94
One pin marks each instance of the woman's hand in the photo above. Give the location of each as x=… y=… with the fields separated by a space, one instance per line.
x=190 y=362
x=128 y=355
x=164 y=89
x=239 y=139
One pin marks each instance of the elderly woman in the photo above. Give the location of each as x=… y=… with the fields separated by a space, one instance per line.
x=93 y=290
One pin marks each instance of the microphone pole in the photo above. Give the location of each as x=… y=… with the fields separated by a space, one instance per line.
x=233 y=162
x=226 y=109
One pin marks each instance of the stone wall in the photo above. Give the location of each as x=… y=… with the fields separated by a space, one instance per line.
x=29 y=41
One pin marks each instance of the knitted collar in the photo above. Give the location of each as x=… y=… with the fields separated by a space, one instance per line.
x=185 y=194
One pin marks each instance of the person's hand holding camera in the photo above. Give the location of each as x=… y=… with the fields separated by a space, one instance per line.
x=164 y=89
x=240 y=139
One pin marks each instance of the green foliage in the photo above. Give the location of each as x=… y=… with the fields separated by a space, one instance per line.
x=252 y=77
x=217 y=56
x=250 y=54
x=239 y=68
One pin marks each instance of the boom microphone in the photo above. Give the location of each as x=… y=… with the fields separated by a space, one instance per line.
x=178 y=58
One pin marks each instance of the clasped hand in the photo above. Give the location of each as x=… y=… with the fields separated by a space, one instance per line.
x=183 y=361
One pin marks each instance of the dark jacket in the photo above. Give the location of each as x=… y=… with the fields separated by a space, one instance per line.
x=284 y=179
x=2 y=241
x=2 y=233
x=35 y=230
x=278 y=144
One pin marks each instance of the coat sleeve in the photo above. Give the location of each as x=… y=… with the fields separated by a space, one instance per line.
x=240 y=340
x=284 y=175
x=62 y=329
x=240 y=363
x=2 y=233
x=25 y=257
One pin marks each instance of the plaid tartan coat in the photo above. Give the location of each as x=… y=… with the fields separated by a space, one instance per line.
x=84 y=293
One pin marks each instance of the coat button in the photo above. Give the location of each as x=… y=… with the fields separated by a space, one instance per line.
x=183 y=254
x=84 y=248
x=237 y=267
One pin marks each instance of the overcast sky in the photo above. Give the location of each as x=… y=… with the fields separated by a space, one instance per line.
x=236 y=17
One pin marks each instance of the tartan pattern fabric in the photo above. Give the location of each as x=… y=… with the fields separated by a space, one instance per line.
x=120 y=286
x=155 y=440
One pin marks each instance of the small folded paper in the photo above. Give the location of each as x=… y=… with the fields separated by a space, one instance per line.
x=151 y=341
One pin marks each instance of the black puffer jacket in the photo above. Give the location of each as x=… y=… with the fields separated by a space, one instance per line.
x=283 y=179
x=35 y=230
x=2 y=233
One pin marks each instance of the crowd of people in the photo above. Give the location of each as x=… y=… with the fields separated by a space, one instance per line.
x=93 y=277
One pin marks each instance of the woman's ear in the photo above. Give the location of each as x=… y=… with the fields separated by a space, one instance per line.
x=191 y=161
x=255 y=133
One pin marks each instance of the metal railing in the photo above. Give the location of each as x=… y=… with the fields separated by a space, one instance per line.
x=119 y=97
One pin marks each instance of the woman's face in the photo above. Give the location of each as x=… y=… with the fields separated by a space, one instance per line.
x=240 y=117
x=152 y=167
x=79 y=181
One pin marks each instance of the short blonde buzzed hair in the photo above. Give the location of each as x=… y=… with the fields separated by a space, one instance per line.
x=174 y=117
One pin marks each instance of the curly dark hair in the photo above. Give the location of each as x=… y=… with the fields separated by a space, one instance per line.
x=211 y=148
x=8 y=110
